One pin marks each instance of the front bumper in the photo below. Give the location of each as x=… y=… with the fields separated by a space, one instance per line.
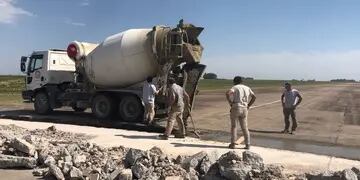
x=27 y=95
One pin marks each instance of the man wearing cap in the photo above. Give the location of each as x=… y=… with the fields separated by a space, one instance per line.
x=177 y=97
x=240 y=98
x=290 y=99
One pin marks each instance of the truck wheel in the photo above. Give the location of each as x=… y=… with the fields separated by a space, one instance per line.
x=131 y=109
x=42 y=103
x=78 y=109
x=103 y=106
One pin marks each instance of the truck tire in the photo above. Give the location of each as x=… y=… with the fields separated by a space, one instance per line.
x=103 y=106
x=42 y=103
x=131 y=109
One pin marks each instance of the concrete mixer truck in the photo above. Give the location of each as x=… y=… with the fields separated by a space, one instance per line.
x=108 y=77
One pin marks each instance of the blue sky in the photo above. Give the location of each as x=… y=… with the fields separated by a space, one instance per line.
x=265 y=39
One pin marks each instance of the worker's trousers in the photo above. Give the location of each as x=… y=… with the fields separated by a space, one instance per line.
x=239 y=114
x=175 y=114
x=149 y=112
x=290 y=112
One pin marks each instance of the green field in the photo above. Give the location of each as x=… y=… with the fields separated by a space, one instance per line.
x=10 y=89
x=217 y=84
x=11 y=86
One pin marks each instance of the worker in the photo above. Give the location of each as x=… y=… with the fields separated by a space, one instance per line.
x=149 y=92
x=240 y=98
x=290 y=99
x=177 y=98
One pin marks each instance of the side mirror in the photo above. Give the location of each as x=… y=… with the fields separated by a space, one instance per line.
x=23 y=63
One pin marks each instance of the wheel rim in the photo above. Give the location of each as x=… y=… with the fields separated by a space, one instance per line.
x=130 y=109
x=102 y=108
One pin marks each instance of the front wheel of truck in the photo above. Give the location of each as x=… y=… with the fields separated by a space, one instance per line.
x=42 y=103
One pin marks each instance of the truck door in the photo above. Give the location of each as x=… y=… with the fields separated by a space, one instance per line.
x=35 y=74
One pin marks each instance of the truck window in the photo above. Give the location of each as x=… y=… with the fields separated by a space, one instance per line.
x=36 y=62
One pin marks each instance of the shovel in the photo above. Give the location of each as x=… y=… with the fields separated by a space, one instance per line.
x=192 y=121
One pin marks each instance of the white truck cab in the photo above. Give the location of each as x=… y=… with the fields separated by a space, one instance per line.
x=43 y=68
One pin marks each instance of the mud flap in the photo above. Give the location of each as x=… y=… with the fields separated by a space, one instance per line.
x=192 y=75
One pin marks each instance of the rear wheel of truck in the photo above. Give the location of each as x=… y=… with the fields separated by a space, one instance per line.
x=42 y=103
x=131 y=109
x=103 y=106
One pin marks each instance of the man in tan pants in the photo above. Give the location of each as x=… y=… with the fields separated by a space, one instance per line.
x=149 y=92
x=240 y=98
x=177 y=95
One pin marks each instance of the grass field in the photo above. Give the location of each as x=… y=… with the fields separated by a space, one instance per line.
x=217 y=84
x=10 y=89
x=11 y=86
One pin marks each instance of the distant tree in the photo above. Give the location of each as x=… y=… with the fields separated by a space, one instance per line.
x=249 y=78
x=210 y=76
x=343 y=80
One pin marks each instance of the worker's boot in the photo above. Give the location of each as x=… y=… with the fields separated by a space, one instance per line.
x=285 y=131
x=163 y=137
x=232 y=146
x=180 y=136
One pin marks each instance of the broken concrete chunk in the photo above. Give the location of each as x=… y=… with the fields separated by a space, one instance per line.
x=132 y=155
x=193 y=161
x=174 y=178
x=253 y=159
x=7 y=161
x=139 y=170
x=56 y=172
x=22 y=146
x=49 y=160
x=126 y=174
x=75 y=173
x=348 y=174
x=78 y=159
x=114 y=175
x=95 y=176
x=40 y=172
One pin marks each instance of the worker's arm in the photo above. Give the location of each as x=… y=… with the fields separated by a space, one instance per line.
x=299 y=99
x=253 y=98
x=171 y=97
x=228 y=94
x=282 y=100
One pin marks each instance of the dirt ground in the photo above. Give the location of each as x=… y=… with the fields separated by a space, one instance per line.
x=328 y=118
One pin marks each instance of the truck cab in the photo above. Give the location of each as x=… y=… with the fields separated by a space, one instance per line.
x=42 y=69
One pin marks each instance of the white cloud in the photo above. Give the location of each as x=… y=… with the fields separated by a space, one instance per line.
x=70 y=22
x=9 y=12
x=288 y=65
x=85 y=3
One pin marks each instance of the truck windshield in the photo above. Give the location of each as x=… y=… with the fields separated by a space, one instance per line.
x=36 y=62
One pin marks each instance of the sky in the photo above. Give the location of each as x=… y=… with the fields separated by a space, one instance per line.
x=264 y=39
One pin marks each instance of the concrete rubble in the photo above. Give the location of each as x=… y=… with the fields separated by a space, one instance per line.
x=61 y=155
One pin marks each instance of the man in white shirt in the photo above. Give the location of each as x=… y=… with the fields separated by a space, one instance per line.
x=290 y=99
x=240 y=98
x=149 y=92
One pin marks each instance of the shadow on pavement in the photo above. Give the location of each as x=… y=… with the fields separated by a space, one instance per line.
x=198 y=145
x=76 y=118
x=265 y=131
x=137 y=136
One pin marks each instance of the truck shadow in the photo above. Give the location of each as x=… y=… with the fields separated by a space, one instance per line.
x=76 y=118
